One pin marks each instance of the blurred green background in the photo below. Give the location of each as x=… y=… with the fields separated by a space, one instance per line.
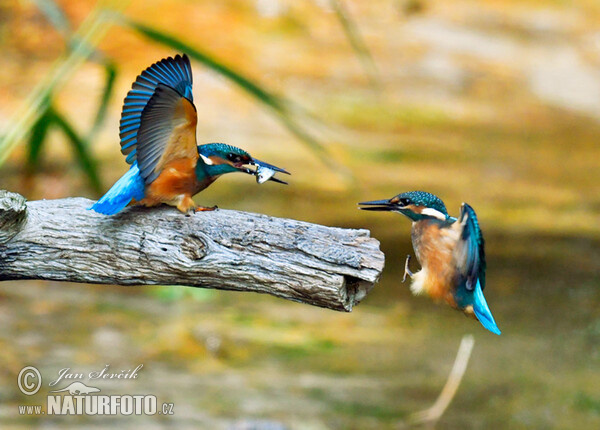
x=496 y=103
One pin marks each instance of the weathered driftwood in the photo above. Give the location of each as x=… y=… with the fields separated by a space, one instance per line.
x=62 y=240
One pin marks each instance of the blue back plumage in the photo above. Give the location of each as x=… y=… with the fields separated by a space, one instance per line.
x=482 y=311
x=129 y=186
x=172 y=72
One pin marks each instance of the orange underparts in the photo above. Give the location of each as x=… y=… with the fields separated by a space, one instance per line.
x=175 y=186
x=435 y=248
x=443 y=292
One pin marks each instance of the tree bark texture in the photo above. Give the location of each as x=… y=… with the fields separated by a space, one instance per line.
x=62 y=240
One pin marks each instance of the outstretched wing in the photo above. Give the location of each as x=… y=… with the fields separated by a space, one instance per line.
x=173 y=72
x=167 y=132
x=469 y=254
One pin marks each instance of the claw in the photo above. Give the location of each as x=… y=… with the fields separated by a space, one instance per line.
x=206 y=209
x=407 y=271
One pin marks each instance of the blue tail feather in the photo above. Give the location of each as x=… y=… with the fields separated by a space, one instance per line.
x=130 y=186
x=482 y=311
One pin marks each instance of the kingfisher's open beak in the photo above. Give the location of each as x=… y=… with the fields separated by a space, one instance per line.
x=380 y=205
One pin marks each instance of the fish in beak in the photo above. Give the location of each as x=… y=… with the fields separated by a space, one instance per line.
x=266 y=172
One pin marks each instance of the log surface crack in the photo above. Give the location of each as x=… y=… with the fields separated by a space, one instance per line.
x=230 y=250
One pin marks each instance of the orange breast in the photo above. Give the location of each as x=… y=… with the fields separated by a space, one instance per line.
x=434 y=245
x=177 y=179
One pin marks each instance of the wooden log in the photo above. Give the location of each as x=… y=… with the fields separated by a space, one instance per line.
x=62 y=240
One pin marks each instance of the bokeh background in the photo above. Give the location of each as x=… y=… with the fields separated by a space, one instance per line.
x=496 y=103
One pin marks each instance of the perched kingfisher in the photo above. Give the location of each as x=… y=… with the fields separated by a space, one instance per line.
x=158 y=136
x=450 y=251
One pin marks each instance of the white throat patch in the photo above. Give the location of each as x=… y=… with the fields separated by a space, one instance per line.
x=433 y=213
x=206 y=160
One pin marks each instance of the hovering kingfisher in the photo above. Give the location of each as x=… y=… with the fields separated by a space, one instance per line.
x=158 y=136
x=450 y=251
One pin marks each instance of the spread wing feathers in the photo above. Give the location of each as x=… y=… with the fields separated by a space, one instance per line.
x=167 y=132
x=469 y=254
x=173 y=72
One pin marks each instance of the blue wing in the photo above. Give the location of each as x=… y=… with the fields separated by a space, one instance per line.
x=167 y=132
x=469 y=257
x=173 y=72
x=471 y=249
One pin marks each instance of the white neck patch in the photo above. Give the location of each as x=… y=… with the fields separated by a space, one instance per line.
x=433 y=213
x=206 y=160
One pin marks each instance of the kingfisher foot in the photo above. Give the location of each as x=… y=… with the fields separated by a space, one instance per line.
x=206 y=209
x=186 y=205
x=407 y=271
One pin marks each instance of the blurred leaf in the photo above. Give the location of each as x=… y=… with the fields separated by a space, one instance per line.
x=55 y=15
x=57 y=18
x=38 y=135
x=356 y=40
x=110 y=76
x=81 y=149
x=279 y=105
x=36 y=139
x=321 y=152
x=211 y=62
x=85 y=39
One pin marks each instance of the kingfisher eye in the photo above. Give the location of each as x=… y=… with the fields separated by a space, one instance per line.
x=405 y=201
x=234 y=158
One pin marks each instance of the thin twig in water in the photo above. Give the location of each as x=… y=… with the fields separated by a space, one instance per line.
x=432 y=415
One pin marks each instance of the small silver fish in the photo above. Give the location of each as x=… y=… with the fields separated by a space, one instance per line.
x=263 y=174
x=266 y=172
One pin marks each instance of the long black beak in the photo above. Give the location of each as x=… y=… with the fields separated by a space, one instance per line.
x=379 y=205
x=279 y=181
x=270 y=166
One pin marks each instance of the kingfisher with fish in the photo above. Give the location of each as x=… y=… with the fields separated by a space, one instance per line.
x=450 y=251
x=158 y=138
